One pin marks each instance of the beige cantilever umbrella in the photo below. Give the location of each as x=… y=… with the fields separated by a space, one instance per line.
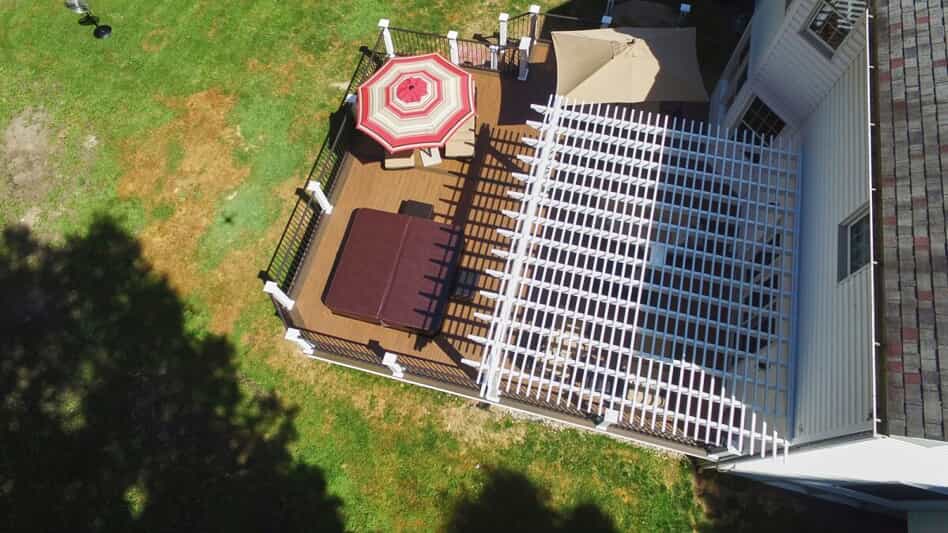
x=628 y=65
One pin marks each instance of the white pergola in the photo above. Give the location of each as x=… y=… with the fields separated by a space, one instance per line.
x=649 y=279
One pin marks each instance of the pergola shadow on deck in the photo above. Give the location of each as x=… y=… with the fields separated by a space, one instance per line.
x=471 y=194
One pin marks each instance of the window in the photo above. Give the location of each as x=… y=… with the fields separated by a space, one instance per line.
x=762 y=121
x=834 y=19
x=853 y=244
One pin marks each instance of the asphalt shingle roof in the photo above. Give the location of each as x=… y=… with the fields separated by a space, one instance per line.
x=912 y=92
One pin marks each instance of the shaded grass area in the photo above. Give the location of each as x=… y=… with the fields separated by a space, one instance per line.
x=151 y=387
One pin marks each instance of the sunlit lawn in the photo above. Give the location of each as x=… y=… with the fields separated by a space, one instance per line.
x=192 y=126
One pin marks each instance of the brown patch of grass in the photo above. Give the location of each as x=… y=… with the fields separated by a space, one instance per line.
x=206 y=171
x=155 y=40
x=473 y=426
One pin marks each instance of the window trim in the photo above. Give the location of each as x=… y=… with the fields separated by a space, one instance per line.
x=757 y=136
x=844 y=270
x=821 y=44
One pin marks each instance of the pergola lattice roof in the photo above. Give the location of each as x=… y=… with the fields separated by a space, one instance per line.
x=649 y=279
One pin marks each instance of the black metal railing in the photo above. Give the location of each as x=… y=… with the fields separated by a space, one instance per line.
x=475 y=54
x=366 y=354
x=304 y=220
x=546 y=23
x=521 y=26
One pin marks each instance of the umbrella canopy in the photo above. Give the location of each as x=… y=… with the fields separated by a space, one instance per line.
x=628 y=65
x=415 y=102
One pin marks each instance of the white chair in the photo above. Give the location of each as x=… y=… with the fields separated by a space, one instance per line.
x=461 y=144
x=400 y=160
x=430 y=156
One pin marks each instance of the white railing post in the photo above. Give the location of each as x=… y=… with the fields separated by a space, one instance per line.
x=606 y=21
x=502 y=34
x=610 y=6
x=524 y=58
x=294 y=335
x=274 y=290
x=534 y=11
x=493 y=56
x=390 y=360
x=316 y=189
x=387 y=38
x=453 y=47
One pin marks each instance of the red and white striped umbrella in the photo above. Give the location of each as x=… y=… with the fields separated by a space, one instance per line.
x=415 y=102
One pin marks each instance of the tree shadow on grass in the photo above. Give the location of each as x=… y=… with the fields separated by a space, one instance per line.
x=511 y=502
x=117 y=415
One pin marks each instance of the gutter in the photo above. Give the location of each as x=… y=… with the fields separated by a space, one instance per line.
x=876 y=294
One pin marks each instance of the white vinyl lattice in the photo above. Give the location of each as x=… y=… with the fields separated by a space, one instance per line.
x=649 y=277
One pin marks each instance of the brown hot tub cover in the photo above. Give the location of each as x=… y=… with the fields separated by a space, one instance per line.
x=395 y=270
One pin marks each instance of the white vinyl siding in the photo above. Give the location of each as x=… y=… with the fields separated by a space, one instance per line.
x=833 y=385
x=788 y=69
x=768 y=14
x=797 y=72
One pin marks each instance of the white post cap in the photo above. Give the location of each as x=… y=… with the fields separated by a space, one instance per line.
x=504 y=17
x=535 y=9
x=383 y=23
x=452 y=34
x=685 y=8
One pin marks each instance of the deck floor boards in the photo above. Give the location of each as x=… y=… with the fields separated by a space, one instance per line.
x=470 y=194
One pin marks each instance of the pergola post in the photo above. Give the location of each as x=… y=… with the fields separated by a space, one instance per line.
x=534 y=11
x=387 y=38
x=524 y=58
x=502 y=33
x=390 y=360
x=294 y=335
x=453 y=47
x=274 y=290
x=316 y=189
x=606 y=21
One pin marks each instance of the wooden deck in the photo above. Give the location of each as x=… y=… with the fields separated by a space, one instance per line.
x=469 y=194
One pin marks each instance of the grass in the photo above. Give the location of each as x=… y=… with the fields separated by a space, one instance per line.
x=191 y=126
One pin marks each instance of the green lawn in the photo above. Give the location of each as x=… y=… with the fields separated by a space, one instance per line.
x=155 y=171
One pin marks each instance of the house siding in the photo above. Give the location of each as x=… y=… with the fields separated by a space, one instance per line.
x=768 y=14
x=796 y=69
x=881 y=460
x=789 y=69
x=835 y=348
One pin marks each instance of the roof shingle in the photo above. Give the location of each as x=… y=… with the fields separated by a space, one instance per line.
x=912 y=99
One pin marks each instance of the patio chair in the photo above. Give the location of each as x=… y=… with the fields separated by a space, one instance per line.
x=461 y=144
x=400 y=160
